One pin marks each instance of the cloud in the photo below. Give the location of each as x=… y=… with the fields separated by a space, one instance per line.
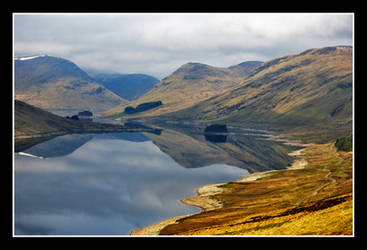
x=25 y=48
x=158 y=44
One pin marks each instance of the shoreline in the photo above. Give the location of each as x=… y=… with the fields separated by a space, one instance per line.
x=18 y=138
x=84 y=131
x=204 y=198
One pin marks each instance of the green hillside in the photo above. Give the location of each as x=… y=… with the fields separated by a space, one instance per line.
x=307 y=95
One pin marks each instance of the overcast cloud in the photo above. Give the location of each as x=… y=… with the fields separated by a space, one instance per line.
x=157 y=44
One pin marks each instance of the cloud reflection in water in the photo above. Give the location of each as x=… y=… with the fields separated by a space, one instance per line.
x=106 y=187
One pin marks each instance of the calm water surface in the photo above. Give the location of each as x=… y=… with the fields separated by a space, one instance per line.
x=106 y=184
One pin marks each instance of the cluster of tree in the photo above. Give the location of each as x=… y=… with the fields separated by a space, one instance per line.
x=142 y=107
x=82 y=113
x=73 y=117
x=85 y=113
x=344 y=143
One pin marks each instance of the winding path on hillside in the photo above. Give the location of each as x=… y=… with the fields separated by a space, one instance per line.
x=327 y=177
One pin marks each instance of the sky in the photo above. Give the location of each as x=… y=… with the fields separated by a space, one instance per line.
x=158 y=43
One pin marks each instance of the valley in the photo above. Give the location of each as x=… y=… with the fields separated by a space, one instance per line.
x=188 y=85
x=247 y=117
x=127 y=86
x=307 y=95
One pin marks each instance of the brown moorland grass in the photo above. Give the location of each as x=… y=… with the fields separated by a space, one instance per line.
x=315 y=200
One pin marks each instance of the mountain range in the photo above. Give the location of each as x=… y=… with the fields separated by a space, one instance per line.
x=188 y=85
x=55 y=83
x=307 y=94
x=310 y=91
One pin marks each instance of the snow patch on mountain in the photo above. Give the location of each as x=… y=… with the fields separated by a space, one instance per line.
x=28 y=57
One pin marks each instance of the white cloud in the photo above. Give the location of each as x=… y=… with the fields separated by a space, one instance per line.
x=155 y=43
x=26 y=48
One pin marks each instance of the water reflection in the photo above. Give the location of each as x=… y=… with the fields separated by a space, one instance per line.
x=66 y=144
x=215 y=138
x=251 y=151
x=107 y=186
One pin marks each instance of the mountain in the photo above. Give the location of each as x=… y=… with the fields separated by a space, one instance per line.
x=127 y=86
x=308 y=94
x=56 y=83
x=188 y=85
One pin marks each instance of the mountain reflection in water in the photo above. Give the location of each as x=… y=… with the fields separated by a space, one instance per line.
x=108 y=184
x=66 y=144
x=251 y=151
x=189 y=149
x=215 y=138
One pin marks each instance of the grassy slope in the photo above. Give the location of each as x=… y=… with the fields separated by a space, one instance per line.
x=30 y=120
x=305 y=93
x=188 y=85
x=316 y=200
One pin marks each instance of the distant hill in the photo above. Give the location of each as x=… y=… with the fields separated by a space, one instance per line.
x=307 y=93
x=188 y=85
x=54 y=83
x=127 y=86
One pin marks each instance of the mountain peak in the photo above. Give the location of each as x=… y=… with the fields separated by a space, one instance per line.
x=193 y=71
x=194 y=66
x=46 y=67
